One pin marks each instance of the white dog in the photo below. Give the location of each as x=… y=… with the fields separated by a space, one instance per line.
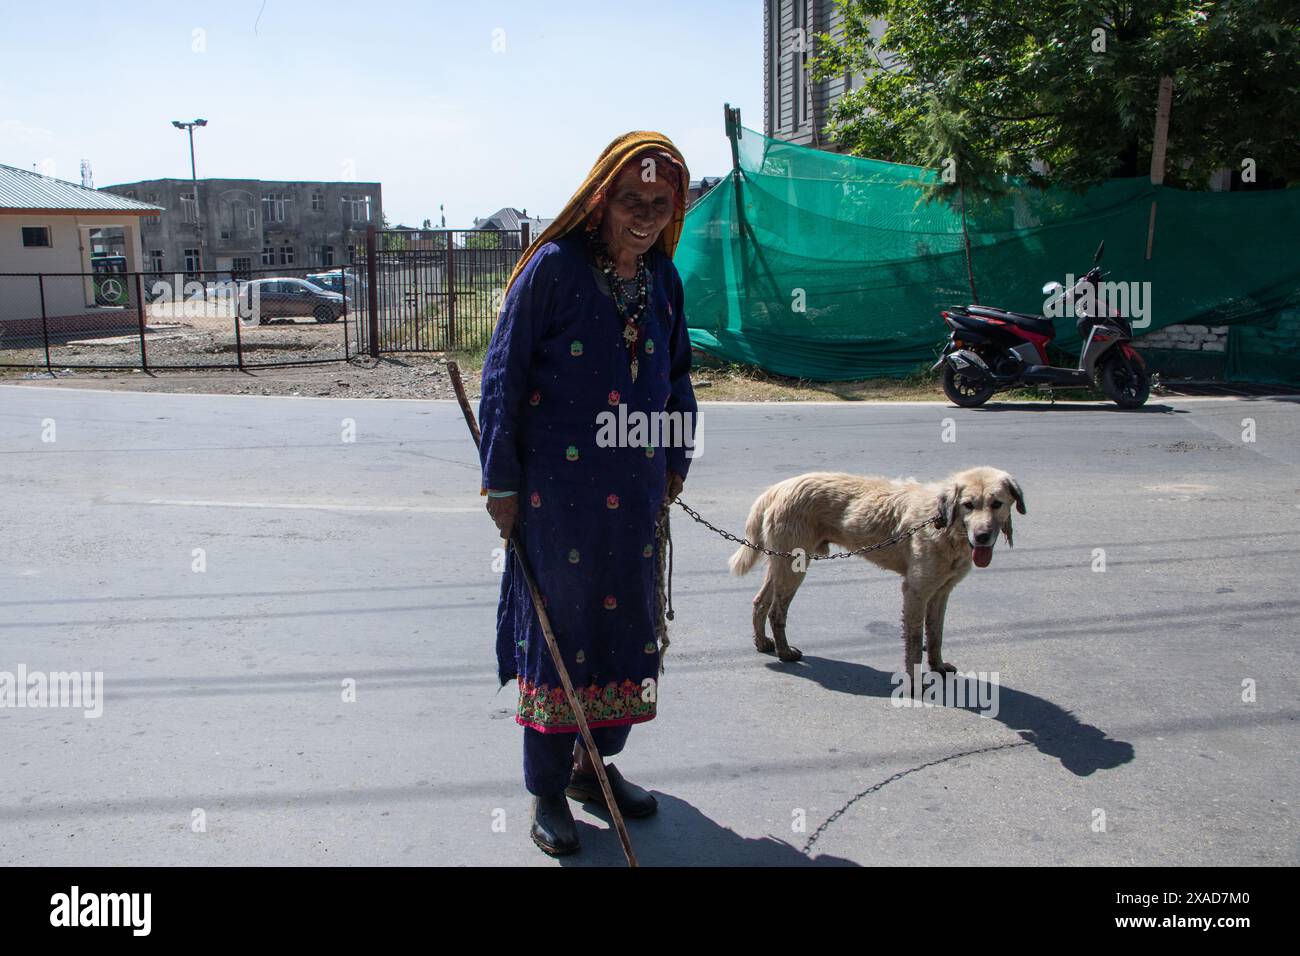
x=813 y=511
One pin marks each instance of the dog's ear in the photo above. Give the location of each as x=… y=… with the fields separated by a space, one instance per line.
x=949 y=502
x=1007 y=530
x=1014 y=487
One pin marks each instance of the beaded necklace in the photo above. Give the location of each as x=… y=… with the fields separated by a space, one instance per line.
x=630 y=307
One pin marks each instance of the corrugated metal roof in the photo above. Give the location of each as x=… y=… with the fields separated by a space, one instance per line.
x=24 y=189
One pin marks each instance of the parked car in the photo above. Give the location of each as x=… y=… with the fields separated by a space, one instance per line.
x=335 y=281
x=288 y=298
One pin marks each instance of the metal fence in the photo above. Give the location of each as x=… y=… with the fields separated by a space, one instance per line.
x=407 y=291
x=151 y=320
x=432 y=289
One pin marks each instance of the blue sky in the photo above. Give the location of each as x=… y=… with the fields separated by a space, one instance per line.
x=410 y=94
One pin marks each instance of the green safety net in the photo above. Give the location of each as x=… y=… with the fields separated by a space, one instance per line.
x=822 y=266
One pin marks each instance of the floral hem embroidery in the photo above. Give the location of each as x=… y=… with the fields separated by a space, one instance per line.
x=573 y=728
x=544 y=708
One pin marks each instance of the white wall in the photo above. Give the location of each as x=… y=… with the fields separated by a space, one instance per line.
x=69 y=251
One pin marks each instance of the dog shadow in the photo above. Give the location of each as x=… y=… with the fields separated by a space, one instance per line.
x=1081 y=748
x=681 y=835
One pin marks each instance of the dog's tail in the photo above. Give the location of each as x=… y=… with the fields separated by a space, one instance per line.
x=746 y=557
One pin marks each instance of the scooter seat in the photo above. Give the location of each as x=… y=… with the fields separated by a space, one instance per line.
x=1034 y=323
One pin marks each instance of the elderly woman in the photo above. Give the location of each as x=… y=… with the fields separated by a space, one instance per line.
x=591 y=321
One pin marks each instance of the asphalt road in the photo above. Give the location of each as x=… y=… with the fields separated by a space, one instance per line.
x=1120 y=692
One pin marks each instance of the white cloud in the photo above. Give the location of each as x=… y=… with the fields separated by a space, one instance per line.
x=19 y=133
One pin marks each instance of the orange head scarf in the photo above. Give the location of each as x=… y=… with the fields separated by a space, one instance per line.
x=595 y=187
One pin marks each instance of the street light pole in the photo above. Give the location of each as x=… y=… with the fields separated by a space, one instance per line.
x=194 y=178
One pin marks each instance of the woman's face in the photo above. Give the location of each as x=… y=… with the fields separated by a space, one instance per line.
x=636 y=211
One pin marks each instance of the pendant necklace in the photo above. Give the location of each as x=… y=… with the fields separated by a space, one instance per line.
x=630 y=304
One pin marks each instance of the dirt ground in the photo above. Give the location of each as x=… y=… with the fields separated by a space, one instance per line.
x=176 y=343
x=415 y=375
x=425 y=376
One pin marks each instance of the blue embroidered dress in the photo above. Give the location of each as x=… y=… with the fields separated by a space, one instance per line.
x=587 y=513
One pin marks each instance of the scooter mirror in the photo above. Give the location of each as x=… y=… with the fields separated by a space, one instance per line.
x=1100 y=249
x=1052 y=288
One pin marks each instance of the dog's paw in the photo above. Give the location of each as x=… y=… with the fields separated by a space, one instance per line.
x=942 y=667
x=765 y=646
x=791 y=654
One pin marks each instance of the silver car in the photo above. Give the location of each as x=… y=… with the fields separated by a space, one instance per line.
x=262 y=300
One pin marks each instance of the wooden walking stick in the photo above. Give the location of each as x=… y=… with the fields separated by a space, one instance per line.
x=454 y=371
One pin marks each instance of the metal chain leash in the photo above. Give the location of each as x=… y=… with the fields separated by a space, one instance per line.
x=902 y=535
x=664 y=554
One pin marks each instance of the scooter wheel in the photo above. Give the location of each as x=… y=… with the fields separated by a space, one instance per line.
x=1125 y=383
x=962 y=391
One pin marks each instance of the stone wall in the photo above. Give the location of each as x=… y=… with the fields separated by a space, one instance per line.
x=1191 y=338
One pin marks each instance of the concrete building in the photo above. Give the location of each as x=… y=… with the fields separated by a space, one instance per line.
x=250 y=224
x=699 y=188
x=56 y=228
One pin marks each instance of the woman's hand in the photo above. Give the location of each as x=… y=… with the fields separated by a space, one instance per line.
x=675 y=483
x=503 y=512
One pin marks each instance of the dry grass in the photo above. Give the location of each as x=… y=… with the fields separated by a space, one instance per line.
x=739 y=383
x=421 y=375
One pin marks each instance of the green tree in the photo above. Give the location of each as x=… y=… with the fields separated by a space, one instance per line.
x=483 y=239
x=993 y=86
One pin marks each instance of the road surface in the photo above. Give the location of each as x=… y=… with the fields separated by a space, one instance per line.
x=233 y=565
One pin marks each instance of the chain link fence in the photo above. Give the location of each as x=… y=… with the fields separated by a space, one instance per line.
x=152 y=320
x=407 y=291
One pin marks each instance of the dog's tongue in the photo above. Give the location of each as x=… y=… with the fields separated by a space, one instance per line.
x=982 y=556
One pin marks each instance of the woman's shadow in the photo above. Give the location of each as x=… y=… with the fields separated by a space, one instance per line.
x=680 y=835
x=1081 y=748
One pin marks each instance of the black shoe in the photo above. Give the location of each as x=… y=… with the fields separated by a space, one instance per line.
x=633 y=801
x=553 y=827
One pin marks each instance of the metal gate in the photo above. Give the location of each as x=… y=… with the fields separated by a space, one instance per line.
x=430 y=290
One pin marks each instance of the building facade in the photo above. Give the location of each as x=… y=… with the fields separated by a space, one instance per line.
x=52 y=233
x=796 y=108
x=250 y=224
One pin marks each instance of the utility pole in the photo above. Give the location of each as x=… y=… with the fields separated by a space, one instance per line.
x=194 y=178
x=733 y=129
x=1159 y=144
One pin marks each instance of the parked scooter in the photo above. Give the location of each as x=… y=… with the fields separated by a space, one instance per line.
x=991 y=349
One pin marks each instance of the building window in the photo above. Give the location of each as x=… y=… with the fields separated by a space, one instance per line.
x=327 y=255
x=268 y=256
x=192 y=262
x=189 y=208
x=151 y=199
x=356 y=208
x=286 y=255
x=36 y=237
x=156 y=260
x=240 y=268
x=317 y=201
x=273 y=207
x=225 y=232
x=252 y=220
x=130 y=194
